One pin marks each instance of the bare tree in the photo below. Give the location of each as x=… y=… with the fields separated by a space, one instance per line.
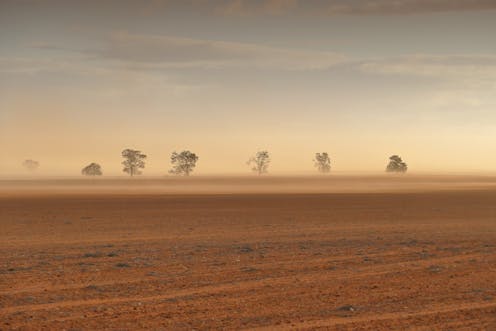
x=322 y=162
x=31 y=165
x=183 y=163
x=260 y=162
x=133 y=161
x=396 y=164
x=93 y=169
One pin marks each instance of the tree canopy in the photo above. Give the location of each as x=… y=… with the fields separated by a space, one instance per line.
x=322 y=162
x=260 y=162
x=396 y=164
x=133 y=161
x=31 y=165
x=183 y=163
x=93 y=169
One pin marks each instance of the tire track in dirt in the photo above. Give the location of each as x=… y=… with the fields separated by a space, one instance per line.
x=314 y=262
x=344 y=321
x=227 y=287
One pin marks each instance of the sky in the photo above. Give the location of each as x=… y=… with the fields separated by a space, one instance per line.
x=82 y=80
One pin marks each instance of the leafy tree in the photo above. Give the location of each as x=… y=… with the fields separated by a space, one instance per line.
x=183 y=163
x=396 y=164
x=260 y=162
x=93 y=169
x=322 y=162
x=133 y=161
x=31 y=165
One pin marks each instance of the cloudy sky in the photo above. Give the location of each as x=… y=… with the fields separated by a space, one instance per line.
x=360 y=79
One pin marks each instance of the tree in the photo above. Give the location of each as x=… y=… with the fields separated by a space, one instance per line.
x=133 y=161
x=322 y=162
x=93 y=169
x=31 y=165
x=260 y=162
x=183 y=163
x=396 y=164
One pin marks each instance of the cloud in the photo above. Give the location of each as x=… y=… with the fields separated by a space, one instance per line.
x=348 y=7
x=318 y=7
x=406 y=7
x=462 y=82
x=31 y=66
x=266 y=7
x=474 y=69
x=248 y=7
x=157 y=51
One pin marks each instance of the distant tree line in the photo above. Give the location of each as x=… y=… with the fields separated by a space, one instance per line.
x=183 y=163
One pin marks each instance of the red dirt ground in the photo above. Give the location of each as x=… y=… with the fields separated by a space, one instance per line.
x=421 y=259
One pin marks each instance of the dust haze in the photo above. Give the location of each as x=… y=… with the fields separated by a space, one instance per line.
x=248 y=165
x=212 y=185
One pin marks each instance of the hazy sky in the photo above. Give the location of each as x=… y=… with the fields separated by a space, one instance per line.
x=82 y=80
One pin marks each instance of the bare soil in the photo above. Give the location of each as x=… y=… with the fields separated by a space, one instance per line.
x=417 y=258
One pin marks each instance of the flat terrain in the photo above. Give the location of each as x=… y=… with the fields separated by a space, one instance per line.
x=309 y=254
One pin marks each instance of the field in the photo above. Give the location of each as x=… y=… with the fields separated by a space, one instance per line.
x=337 y=253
